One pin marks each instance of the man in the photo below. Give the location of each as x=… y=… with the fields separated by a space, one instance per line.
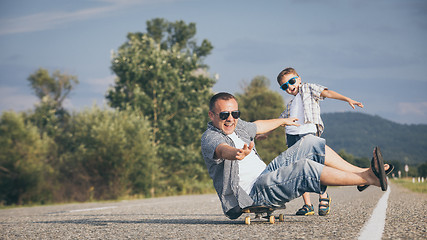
x=240 y=177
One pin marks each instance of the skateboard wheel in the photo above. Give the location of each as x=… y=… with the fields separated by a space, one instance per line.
x=247 y=220
x=272 y=219
x=281 y=218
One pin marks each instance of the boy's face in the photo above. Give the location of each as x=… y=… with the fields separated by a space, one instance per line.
x=292 y=89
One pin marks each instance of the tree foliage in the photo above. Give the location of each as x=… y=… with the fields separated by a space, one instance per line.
x=177 y=35
x=161 y=74
x=109 y=154
x=259 y=102
x=24 y=170
x=52 y=90
x=422 y=170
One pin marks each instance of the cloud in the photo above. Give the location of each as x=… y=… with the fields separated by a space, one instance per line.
x=12 y=99
x=49 y=20
x=412 y=108
x=101 y=84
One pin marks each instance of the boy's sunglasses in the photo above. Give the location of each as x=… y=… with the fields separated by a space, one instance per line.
x=291 y=81
x=225 y=115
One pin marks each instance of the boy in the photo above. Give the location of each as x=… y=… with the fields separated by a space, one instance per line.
x=305 y=107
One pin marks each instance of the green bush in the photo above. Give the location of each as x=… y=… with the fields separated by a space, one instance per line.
x=110 y=154
x=24 y=167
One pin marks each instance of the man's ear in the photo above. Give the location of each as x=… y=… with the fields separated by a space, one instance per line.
x=211 y=115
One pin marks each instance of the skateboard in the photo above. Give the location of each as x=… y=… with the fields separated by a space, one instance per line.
x=263 y=212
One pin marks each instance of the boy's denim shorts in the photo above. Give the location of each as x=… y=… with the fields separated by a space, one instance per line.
x=292 y=139
x=294 y=172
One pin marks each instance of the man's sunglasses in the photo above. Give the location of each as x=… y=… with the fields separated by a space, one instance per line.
x=225 y=115
x=291 y=81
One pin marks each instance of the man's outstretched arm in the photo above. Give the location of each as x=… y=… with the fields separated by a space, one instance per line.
x=228 y=152
x=264 y=126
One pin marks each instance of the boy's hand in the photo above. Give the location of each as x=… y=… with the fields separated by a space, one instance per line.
x=290 y=122
x=352 y=103
x=243 y=152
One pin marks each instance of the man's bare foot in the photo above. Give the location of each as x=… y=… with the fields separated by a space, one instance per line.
x=388 y=169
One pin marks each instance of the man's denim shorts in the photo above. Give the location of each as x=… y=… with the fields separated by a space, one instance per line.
x=294 y=172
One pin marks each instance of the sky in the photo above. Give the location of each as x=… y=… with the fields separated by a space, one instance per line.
x=373 y=51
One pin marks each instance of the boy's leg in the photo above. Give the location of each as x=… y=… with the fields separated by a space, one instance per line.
x=292 y=139
x=307 y=208
x=324 y=204
x=306 y=197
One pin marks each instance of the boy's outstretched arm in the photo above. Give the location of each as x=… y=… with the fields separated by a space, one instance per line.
x=334 y=95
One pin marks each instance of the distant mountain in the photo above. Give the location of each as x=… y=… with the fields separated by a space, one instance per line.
x=359 y=133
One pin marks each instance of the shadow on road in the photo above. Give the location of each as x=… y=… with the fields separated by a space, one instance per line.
x=95 y=222
x=187 y=219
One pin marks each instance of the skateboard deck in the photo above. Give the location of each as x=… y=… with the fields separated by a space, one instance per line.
x=263 y=212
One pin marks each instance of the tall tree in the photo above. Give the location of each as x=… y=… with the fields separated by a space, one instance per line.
x=177 y=34
x=162 y=74
x=52 y=90
x=259 y=102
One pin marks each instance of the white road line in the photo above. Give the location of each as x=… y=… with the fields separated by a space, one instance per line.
x=374 y=228
x=92 y=209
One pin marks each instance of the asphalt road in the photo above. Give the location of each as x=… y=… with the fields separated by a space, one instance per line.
x=200 y=217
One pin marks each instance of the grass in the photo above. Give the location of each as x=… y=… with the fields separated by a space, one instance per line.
x=420 y=187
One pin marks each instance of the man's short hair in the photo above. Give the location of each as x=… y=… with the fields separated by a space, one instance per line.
x=216 y=97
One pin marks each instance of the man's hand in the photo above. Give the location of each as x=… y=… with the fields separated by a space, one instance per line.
x=290 y=122
x=265 y=126
x=245 y=151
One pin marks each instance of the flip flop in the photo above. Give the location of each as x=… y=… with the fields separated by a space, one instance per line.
x=387 y=172
x=380 y=173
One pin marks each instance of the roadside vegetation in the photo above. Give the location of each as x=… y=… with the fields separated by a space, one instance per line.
x=412 y=184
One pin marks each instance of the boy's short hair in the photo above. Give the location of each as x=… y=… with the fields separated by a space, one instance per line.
x=284 y=72
x=216 y=97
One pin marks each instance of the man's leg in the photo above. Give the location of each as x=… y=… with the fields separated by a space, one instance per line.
x=333 y=160
x=308 y=174
x=335 y=177
x=288 y=182
x=308 y=147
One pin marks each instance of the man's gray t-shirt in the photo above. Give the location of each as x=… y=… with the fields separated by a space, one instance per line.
x=225 y=173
